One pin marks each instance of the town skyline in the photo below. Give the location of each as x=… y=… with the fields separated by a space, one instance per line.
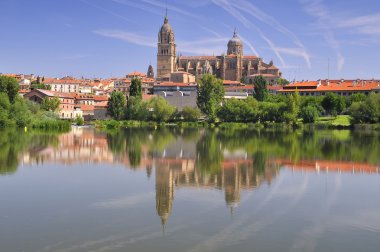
x=101 y=39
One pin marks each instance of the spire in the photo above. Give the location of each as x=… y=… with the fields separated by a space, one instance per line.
x=166 y=17
x=235 y=33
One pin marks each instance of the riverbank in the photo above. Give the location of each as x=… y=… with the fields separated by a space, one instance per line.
x=338 y=122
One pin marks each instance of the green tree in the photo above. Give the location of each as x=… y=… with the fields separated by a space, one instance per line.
x=20 y=113
x=314 y=101
x=210 y=95
x=234 y=110
x=9 y=86
x=79 y=120
x=358 y=97
x=191 y=114
x=135 y=88
x=272 y=112
x=116 y=105
x=309 y=114
x=282 y=81
x=261 y=91
x=367 y=111
x=36 y=85
x=50 y=104
x=136 y=109
x=159 y=109
x=333 y=104
x=293 y=108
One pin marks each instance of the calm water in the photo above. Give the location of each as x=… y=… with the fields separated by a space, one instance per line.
x=189 y=190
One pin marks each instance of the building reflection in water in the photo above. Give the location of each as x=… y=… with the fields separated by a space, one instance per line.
x=179 y=160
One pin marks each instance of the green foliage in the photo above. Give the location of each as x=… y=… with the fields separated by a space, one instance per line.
x=367 y=111
x=135 y=88
x=51 y=124
x=191 y=114
x=272 y=112
x=282 y=81
x=358 y=97
x=50 y=104
x=261 y=91
x=9 y=86
x=210 y=95
x=20 y=112
x=276 y=98
x=333 y=104
x=309 y=113
x=136 y=109
x=314 y=101
x=35 y=85
x=79 y=120
x=234 y=110
x=293 y=108
x=159 y=109
x=4 y=101
x=116 y=105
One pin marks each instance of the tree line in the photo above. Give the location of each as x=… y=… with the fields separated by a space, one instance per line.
x=261 y=107
x=15 y=111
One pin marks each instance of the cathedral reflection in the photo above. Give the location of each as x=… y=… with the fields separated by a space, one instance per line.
x=181 y=159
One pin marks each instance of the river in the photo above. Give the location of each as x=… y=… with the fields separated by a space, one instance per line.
x=189 y=190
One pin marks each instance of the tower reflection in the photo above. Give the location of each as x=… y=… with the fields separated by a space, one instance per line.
x=206 y=159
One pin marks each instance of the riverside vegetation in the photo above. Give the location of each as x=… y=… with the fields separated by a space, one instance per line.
x=262 y=108
x=18 y=112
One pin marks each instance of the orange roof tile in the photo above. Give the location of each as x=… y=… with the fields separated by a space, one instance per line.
x=171 y=84
x=86 y=107
x=139 y=74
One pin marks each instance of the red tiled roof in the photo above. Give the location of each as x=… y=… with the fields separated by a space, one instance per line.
x=50 y=93
x=246 y=87
x=86 y=107
x=100 y=98
x=264 y=75
x=147 y=97
x=274 y=88
x=250 y=57
x=137 y=74
x=332 y=85
x=171 y=84
x=102 y=104
x=197 y=57
x=229 y=82
x=61 y=81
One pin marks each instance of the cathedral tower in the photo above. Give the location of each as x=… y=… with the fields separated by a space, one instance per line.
x=235 y=45
x=166 y=54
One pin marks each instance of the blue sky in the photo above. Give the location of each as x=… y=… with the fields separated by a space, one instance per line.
x=103 y=38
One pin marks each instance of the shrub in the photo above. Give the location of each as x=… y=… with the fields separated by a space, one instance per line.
x=79 y=120
x=190 y=114
x=309 y=114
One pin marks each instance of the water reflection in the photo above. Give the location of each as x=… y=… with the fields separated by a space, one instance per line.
x=231 y=161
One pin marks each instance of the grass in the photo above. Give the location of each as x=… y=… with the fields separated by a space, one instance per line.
x=340 y=120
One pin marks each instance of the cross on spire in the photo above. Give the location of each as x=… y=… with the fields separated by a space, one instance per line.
x=235 y=33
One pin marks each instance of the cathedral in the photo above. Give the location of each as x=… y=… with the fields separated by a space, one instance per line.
x=233 y=66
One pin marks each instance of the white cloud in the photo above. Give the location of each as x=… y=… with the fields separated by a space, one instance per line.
x=237 y=8
x=316 y=9
x=128 y=37
x=200 y=47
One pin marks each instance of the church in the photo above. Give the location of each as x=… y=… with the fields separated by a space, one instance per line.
x=233 y=66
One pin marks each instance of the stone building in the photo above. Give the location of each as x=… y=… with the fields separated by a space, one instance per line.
x=231 y=66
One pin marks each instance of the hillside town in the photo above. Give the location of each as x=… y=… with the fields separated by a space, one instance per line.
x=176 y=80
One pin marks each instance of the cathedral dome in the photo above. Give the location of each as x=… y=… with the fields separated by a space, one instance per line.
x=235 y=40
x=235 y=45
x=166 y=28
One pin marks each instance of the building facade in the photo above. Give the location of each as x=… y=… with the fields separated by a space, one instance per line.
x=231 y=66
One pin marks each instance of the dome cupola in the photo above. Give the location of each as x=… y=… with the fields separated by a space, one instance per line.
x=235 y=45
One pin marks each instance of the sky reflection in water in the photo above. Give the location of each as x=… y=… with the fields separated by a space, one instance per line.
x=189 y=190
